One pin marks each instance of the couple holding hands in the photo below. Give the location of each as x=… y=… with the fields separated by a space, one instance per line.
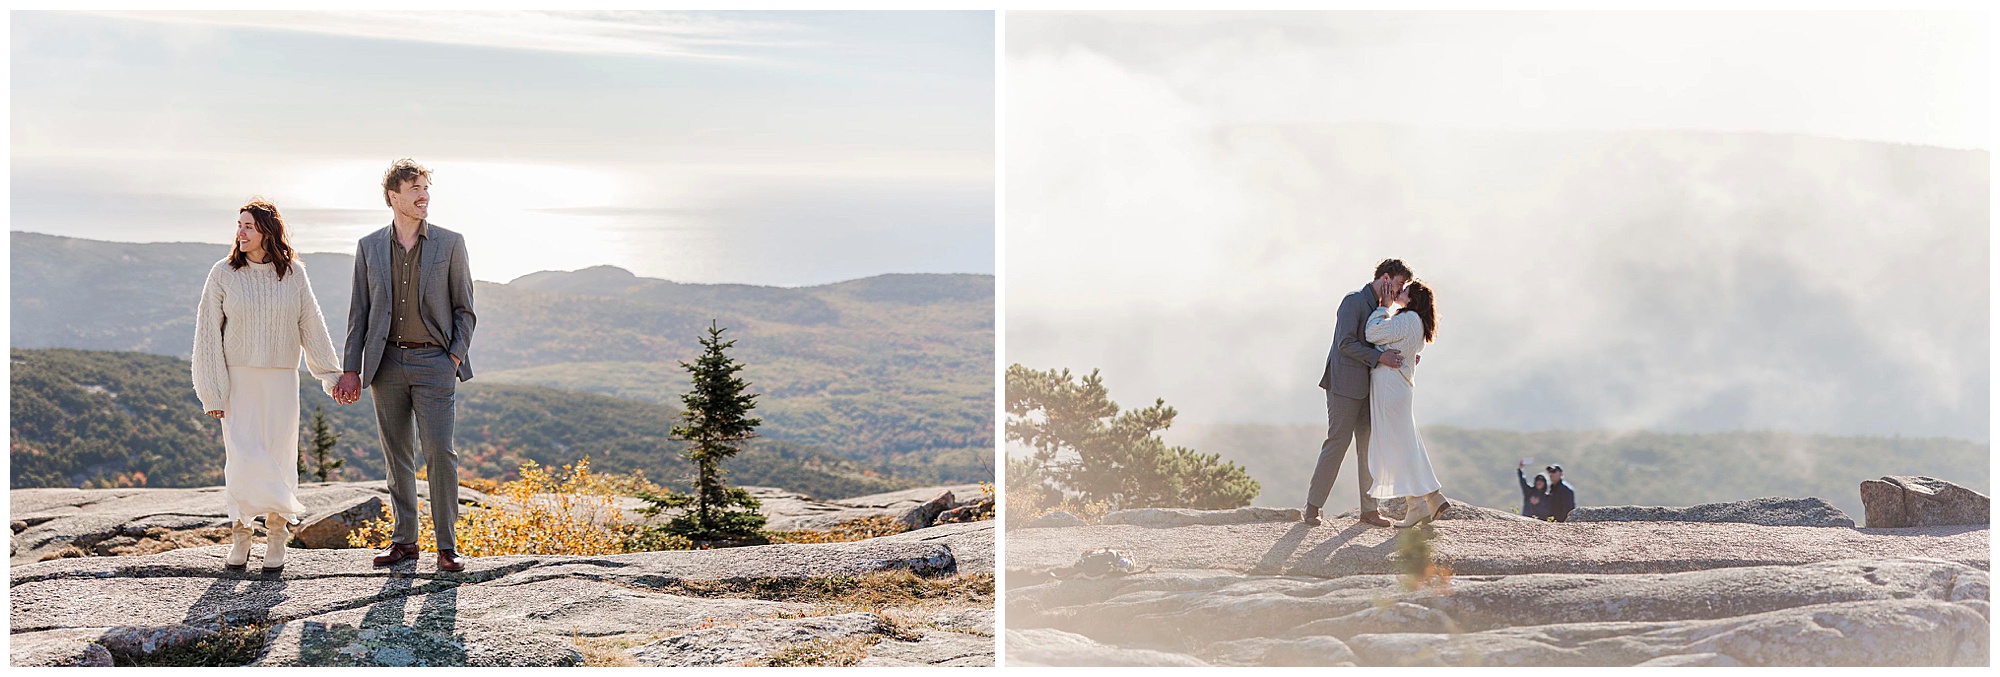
x=409 y=328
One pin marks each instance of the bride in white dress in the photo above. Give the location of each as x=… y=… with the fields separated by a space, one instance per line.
x=1396 y=455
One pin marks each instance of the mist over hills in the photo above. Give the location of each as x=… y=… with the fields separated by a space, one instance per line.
x=1646 y=280
x=894 y=372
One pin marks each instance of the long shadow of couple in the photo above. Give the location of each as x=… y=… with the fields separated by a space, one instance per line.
x=1276 y=561
x=387 y=634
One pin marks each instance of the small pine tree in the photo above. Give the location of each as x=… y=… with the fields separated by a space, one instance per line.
x=715 y=423
x=1084 y=445
x=323 y=439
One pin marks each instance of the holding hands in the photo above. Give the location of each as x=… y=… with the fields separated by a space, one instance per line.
x=348 y=389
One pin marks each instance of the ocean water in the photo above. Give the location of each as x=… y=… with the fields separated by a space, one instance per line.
x=785 y=234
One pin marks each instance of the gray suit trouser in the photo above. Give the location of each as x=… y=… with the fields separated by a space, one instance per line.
x=1346 y=420
x=418 y=385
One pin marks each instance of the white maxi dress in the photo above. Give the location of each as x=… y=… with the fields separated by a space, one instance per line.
x=1396 y=455
x=275 y=321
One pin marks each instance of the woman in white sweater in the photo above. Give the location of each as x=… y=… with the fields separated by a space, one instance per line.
x=1396 y=456
x=257 y=312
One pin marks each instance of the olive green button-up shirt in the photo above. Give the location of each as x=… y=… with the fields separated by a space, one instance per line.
x=405 y=274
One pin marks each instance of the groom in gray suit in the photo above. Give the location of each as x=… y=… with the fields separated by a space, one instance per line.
x=1345 y=379
x=409 y=327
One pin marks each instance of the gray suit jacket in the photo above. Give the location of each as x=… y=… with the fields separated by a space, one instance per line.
x=1349 y=361
x=445 y=286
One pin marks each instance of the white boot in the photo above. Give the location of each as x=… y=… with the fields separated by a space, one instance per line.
x=239 y=546
x=276 y=533
x=1420 y=509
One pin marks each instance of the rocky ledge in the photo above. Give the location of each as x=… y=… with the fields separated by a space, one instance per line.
x=1218 y=591
x=777 y=604
x=142 y=521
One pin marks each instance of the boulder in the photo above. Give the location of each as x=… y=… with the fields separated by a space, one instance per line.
x=1459 y=510
x=1776 y=512
x=131 y=640
x=1897 y=501
x=1052 y=520
x=1180 y=517
x=54 y=520
x=923 y=515
x=57 y=649
x=329 y=527
x=981 y=509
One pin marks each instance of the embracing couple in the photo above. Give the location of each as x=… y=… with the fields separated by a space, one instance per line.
x=409 y=327
x=1370 y=383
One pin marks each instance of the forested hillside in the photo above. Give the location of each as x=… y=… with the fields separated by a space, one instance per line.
x=894 y=372
x=95 y=418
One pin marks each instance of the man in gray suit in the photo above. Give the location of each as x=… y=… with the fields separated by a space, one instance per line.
x=409 y=327
x=1345 y=380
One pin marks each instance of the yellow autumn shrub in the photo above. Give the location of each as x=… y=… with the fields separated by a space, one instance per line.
x=566 y=511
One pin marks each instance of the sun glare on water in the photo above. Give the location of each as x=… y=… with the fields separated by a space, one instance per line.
x=508 y=212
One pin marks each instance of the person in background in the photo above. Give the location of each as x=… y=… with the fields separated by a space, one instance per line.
x=1562 y=498
x=1535 y=497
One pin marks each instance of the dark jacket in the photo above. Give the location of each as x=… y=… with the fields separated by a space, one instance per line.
x=1538 y=509
x=1562 y=499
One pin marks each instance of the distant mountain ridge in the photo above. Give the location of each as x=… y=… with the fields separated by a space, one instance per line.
x=101 y=418
x=893 y=371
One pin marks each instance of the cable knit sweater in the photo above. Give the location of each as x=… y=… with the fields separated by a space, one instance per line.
x=250 y=318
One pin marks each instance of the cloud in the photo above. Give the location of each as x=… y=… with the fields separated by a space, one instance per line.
x=1644 y=279
x=662 y=34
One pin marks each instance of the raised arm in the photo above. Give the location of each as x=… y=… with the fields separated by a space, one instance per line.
x=1523 y=477
x=1381 y=327
x=462 y=318
x=314 y=339
x=1352 y=313
x=357 y=314
x=211 y=370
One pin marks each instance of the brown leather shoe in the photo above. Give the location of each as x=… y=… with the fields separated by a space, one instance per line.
x=1311 y=518
x=397 y=552
x=1374 y=518
x=448 y=560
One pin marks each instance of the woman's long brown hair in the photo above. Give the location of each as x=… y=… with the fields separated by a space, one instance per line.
x=277 y=249
x=1425 y=306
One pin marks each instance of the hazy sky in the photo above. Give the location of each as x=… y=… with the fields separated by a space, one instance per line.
x=1635 y=221
x=770 y=147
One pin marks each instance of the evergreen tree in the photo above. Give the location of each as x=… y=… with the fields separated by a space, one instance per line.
x=716 y=422
x=1083 y=444
x=323 y=439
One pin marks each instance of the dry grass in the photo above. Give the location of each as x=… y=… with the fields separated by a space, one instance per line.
x=547 y=512
x=608 y=652
x=1023 y=507
x=67 y=552
x=837 y=652
x=896 y=588
x=160 y=539
x=156 y=540
x=852 y=530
